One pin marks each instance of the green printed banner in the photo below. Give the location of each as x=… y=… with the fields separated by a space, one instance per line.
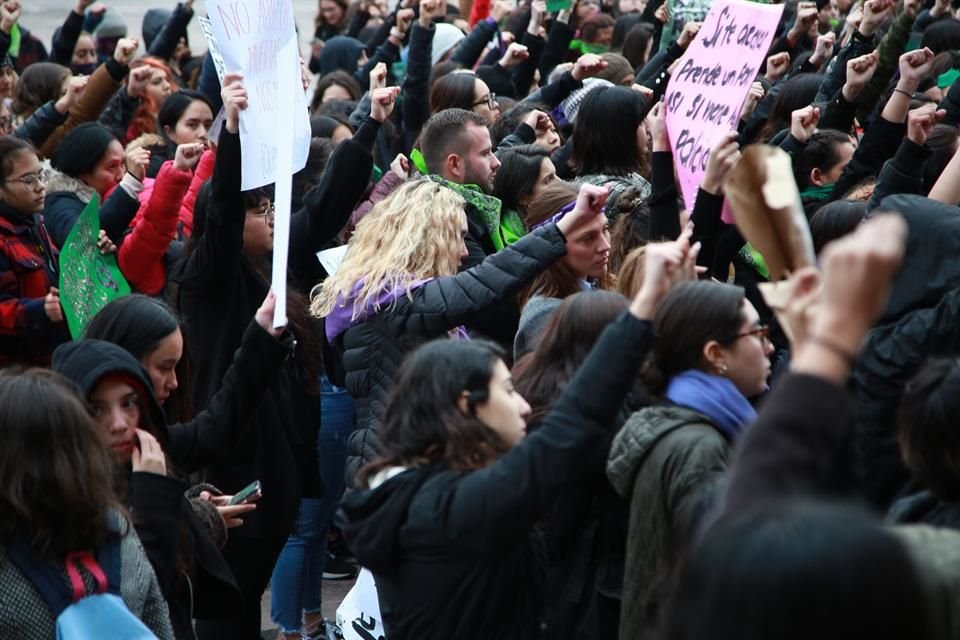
x=88 y=279
x=558 y=5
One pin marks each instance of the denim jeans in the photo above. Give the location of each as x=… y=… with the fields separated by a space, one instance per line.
x=297 y=578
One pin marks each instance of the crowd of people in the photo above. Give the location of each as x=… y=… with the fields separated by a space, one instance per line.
x=538 y=397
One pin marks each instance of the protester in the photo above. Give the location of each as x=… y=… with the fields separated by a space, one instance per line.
x=468 y=486
x=58 y=497
x=33 y=323
x=432 y=193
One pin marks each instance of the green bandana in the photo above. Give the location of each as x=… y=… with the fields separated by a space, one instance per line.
x=947 y=78
x=503 y=229
x=755 y=259
x=585 y=47
x=817 y=193
x=14 y=49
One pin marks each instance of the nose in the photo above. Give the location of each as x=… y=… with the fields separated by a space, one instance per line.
x=524 y=407
x=117 y=421
x=496 y=162
x=172 y=382
x=604 y=246
x=203 y=133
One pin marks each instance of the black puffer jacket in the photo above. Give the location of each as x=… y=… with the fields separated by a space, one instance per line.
x=374 y=349
x=920 y=322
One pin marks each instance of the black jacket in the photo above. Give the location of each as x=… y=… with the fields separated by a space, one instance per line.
x=201 y=585
x=220 y=290
x=920 y=322
x=374 y=349
x=455 y=555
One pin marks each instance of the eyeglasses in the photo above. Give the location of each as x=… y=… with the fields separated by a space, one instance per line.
x=762 y=332
x=490 y=101
x=30 y=179
x=267 y=210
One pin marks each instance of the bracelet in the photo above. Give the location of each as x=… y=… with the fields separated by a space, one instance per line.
x=909 y=95
x=834 y=348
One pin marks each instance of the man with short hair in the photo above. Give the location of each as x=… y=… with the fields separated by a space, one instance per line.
x=456 y=147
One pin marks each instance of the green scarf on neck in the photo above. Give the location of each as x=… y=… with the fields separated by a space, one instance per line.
x=504 y=228
x=817 y=193
x=15 y=37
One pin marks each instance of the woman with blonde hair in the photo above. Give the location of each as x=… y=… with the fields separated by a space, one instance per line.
x=398 y=286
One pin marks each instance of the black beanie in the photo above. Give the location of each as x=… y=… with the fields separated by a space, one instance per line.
x=81 y=149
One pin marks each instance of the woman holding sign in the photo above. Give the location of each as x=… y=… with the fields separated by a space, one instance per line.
x=224 y=276
x=31 y=320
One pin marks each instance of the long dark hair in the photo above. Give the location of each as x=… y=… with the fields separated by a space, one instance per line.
x=605 y=133
x=690 y=316
x=519 y=170
x=139 y=323
x=424 y=423
x=453 y=91
x=173 y=108
x=307 y=357
x=798 y=92
x=10 y=148
x=781 y=570
x=56 y=471
x=928 y=437
x=39 y=83
x=573 y=328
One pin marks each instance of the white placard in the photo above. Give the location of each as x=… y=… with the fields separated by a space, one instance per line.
x=288 y=61
x=331 y=259
x=212 y=47
x=250 y=35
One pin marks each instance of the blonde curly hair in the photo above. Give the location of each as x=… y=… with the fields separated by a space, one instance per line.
x=413 y=234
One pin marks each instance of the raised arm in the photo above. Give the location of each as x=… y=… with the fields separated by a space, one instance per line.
x=217 y=252
x=525 y=481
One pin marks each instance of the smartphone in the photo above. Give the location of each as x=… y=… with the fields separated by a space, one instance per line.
x=246 y=494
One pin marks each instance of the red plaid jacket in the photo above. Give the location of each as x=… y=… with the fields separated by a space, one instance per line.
x=28 y=268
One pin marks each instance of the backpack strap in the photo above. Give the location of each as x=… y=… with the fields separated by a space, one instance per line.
x=85 y=559
x=45 y=577
x=109 y=560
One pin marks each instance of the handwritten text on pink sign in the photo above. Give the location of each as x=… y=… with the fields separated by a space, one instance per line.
x=708 y=87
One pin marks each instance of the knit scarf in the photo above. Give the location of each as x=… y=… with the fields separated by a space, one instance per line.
x=715 y=397
x=504 y=228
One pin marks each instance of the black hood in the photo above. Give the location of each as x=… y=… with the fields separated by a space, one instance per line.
x=931 y=265
x=371 y=520
x=86 y=362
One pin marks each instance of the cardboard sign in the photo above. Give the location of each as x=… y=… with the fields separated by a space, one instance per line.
x=88 y=279
x=711 y=81
x=250 y=35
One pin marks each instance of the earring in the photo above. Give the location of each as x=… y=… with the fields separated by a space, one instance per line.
x=722 y=369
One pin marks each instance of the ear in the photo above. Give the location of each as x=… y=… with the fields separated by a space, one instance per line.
x=715 y=355
x=463 y=403
x=816 y=177
x=455 y=167
x=168 y=130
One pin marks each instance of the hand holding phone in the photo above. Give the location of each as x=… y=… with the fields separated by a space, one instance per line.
x=249 y=493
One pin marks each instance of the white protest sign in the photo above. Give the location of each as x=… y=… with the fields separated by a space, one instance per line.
x=250 y=35
x=212 y=47
x=331 y=259
x=358 y=616
x=288 y=62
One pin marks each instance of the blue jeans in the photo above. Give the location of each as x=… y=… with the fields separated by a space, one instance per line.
x=296 y=584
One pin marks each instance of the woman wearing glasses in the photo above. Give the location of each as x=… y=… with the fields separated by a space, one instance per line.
x=710 y=356
x=31 y=320
x=464 y=90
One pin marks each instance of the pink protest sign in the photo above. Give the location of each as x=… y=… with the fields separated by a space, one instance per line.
x=708 y=86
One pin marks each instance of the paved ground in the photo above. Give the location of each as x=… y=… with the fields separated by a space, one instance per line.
x=42 y=17
x=333 y=593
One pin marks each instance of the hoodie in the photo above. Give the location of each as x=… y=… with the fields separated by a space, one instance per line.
x=161 y=511
x=666 y=461
x=457 y=554
x=341 y=53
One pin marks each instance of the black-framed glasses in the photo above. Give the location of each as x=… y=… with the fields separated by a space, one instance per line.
x=30 y=179
x=490 y=101
x=264 y=211
x=762 y=332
